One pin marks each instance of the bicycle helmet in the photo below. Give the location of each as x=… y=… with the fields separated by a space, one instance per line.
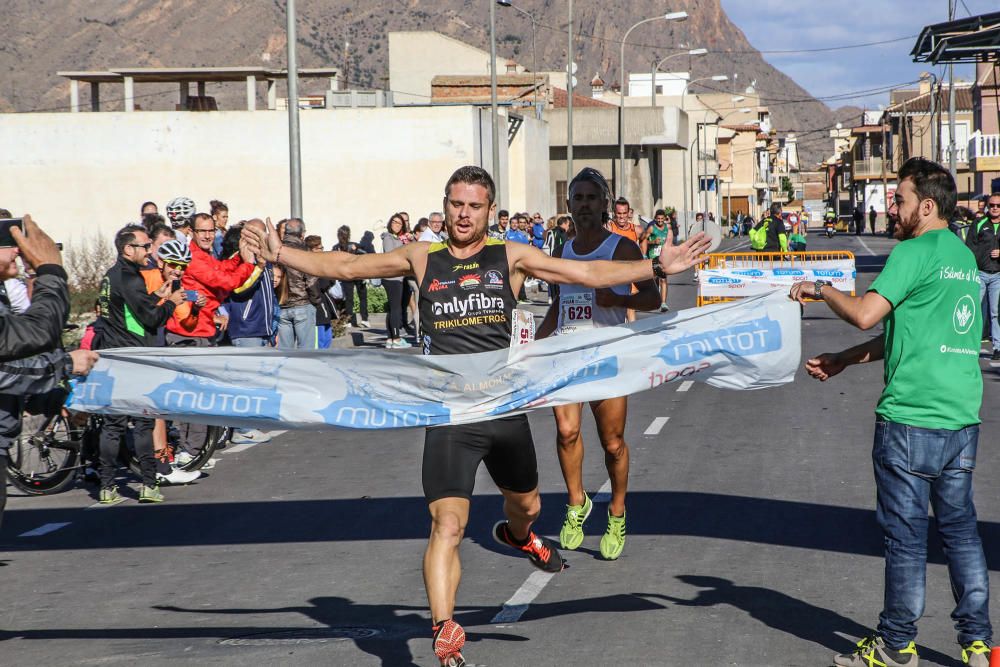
x=180 y=210
x=175 y=252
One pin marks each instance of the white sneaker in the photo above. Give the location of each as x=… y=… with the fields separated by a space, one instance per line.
x=249 y=437
x=364 y=324
x=182 y=458
x=178 y=476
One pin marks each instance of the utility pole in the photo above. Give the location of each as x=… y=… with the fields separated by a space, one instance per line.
x=294 y=153
x=952 y=158
x=494 y=112
x=569 y=99
x=935 y=125
x=885 y=184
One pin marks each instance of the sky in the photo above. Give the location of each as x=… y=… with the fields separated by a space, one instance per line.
x=812 y=24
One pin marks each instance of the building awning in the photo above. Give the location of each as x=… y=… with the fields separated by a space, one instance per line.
x=968 y=40
x=192 y=74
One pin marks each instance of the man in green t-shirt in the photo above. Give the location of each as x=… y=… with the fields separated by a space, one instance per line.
x=927 y=419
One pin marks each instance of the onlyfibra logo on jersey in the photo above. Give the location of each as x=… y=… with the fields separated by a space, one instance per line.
x=363 y=407
x=189 y=394
x=94 y=392
x=747 y=339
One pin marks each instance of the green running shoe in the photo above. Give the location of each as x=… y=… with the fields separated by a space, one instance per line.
x=109 y=496
x=571 y=535
x=150 y=494
x=614 y=537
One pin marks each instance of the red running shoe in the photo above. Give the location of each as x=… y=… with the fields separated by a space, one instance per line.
x=541 y=551
x=449 y=638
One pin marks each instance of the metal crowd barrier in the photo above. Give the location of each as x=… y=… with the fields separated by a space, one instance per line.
x=742 y=261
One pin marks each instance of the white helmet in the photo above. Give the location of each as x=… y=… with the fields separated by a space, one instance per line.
x=175 y=252
x=180 y=210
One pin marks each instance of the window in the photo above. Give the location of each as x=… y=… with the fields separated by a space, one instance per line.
x=561 y=196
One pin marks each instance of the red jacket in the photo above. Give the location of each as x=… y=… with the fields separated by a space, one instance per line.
x=215 y=279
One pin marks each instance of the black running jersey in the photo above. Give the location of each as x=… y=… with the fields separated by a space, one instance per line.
x=466 y=304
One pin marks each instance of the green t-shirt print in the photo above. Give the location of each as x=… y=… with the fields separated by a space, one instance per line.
x=932 y=375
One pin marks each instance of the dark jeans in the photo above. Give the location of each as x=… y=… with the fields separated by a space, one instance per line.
x=394 y=302
x=914 y=466
x=142 y=437
x=349 y=286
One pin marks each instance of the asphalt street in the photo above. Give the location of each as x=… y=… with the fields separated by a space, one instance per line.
x=752 y=541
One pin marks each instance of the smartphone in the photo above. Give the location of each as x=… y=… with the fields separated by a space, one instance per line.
x=6 y=239
x=176 y=285
x=190 y=295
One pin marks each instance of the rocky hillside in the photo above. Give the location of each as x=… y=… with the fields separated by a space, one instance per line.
x=44 y=36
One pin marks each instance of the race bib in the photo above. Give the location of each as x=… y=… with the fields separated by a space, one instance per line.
x=576 y=311
x=654 y=251
x=522 y=328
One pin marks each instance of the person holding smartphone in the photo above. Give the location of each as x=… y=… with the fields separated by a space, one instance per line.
x=32 y=360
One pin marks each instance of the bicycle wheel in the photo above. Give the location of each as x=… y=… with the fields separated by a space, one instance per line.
x=44 y=459
x=209 y=437
x=198 y=437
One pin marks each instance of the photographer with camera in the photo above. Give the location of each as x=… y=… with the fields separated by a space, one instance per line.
x=32 y=361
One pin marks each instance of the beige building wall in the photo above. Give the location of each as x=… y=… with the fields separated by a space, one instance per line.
x=89 y=172
x=416 y=57
x=528 y=156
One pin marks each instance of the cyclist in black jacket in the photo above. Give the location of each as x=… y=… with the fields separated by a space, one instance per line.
x=130 y=317
x=32 y=360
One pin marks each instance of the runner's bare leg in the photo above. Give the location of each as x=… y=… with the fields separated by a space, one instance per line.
x=442 y=566
x=610 y=415
x=569 y=446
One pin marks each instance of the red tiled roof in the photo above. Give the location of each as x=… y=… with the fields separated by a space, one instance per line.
x=560 y=100
x=745 y=127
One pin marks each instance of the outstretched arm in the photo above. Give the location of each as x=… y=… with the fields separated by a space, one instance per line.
x=335 y=265
x=864 y=312
x=825 y=366
x=676 y=259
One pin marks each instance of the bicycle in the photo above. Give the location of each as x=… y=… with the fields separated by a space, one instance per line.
x=53 y=450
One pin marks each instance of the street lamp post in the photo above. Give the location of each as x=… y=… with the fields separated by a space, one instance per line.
x=671 y=16
x=294 y=153
x=534 y=62
x=656 y=68
x=569 y=98
x=494 y=112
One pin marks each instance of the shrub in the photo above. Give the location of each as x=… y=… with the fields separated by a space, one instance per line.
x=86 y=263
x=376 y=300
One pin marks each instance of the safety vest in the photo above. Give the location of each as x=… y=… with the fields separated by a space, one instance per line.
x=758 y=234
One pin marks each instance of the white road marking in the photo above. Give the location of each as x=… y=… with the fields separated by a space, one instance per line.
x=239 y=448
x=994 y=364
x=98 y=506
x=865 y=246
x=518 y=603
x=685 y=385
x=275 y=434
x=603 y=494
x=45 y=529
x=656 y=426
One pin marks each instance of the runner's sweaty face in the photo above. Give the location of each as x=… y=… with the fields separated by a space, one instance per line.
x=467 y=211
x=587 y=204
x=622 y=215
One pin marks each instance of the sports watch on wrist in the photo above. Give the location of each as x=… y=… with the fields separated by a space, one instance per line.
x=818 y=289
x=658 y=268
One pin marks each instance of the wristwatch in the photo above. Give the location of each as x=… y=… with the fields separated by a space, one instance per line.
x=658 y=268
x=818 y=289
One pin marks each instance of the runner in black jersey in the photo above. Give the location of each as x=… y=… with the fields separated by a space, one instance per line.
x=468 y=289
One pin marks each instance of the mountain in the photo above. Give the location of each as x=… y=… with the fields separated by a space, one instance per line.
x=39 y=38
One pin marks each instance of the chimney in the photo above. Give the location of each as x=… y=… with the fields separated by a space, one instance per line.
x=925 y=83
x=597 y=86
x=511 y=67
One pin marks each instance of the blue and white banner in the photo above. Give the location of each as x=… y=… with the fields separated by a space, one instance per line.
x=748 y=344
x=752 y=281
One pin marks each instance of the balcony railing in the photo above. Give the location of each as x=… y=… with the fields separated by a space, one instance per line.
x=961 y=154
x=985 y=145
x=871 y=167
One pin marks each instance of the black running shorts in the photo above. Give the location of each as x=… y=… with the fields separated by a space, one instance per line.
x=452 y=455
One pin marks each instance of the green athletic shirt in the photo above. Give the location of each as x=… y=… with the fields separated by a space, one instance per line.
x=655 y=238
x=932 y=376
